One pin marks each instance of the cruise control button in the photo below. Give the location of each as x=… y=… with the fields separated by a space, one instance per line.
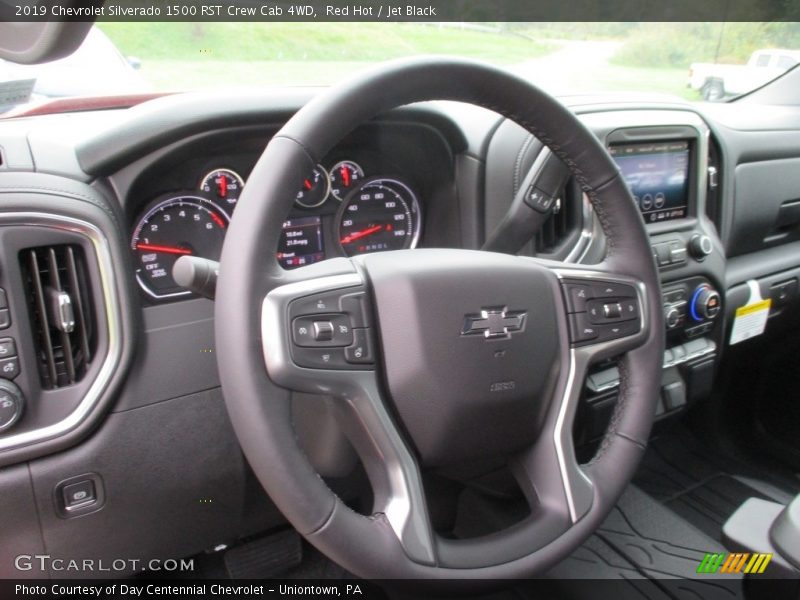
x=319 y=358
x=605 y=289
x=577 y=295
x=361 y=350
x=581 y=329
x=9 y=367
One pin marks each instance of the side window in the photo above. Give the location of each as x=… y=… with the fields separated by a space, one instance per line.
x=762 y=60
x=786 y=62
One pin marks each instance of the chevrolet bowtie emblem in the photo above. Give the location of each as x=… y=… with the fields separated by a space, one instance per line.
x=494 y=323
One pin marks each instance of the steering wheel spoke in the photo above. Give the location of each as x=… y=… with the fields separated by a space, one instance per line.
x=319 y=337
x=606 y=316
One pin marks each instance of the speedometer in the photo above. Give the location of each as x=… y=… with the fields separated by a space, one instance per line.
x=381 y=214
x=173 y=226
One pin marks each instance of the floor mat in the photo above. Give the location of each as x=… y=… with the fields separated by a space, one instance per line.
x=704 y=485
x=652 y=553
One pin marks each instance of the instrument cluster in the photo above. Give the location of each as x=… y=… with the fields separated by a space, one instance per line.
x=338 y=211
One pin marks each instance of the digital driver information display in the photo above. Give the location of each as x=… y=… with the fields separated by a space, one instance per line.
x=657 y=174
x=301 y=242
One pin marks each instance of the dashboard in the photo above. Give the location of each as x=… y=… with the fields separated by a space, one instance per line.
x=369 y=195
x=118 y=400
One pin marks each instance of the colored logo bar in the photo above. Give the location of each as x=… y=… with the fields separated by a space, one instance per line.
x=737 y=562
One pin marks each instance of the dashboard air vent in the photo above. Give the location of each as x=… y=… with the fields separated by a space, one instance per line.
x=61 y=312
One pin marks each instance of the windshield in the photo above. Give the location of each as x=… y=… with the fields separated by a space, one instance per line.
x=695 y=61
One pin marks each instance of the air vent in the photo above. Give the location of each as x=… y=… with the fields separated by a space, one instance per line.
x=61 y=312
x=562 y=222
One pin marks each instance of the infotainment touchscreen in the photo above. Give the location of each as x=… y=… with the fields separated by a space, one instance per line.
x=657 y=174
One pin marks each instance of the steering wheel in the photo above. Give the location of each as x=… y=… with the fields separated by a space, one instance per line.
x=437 y=355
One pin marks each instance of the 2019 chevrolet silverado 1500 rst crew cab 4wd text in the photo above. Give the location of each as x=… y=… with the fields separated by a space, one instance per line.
x=430 y=323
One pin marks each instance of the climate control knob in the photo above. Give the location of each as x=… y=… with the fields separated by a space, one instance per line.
x=12 y=403
x=706 y=303
x=672 y=317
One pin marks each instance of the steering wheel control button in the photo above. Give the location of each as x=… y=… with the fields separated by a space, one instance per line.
x=617 y=330
x=318 y=304
x=601 y=311
x=320 y=358
x=577 y=296
x=605 y=289
x=629 y=308
x=612 y=311
x=322 y=330
x=12 y=404
x=582 y=329
x=361 y=351
x=355 y=305
x=538 y=200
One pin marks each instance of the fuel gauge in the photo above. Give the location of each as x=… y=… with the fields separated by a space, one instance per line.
x=314 y=189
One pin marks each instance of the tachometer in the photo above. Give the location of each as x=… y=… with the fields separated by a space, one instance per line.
x=224 y=185
x=172 y=226
x=381 y=214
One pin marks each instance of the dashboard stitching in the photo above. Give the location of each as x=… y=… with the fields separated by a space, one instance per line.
x=518 y=163
x=58 y=192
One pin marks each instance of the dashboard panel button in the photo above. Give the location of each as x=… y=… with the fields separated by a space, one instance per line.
x=9 y=367
x=7 y=348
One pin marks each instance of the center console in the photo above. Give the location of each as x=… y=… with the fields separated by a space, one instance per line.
x=663 y=157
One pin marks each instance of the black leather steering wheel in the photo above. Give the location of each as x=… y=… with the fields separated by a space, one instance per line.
x=473 y=353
